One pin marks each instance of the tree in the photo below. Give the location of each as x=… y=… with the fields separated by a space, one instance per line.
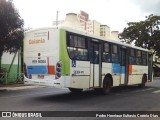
x=11 y=28
x=145 y=33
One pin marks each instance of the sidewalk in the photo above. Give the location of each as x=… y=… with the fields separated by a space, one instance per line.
x=8 y=87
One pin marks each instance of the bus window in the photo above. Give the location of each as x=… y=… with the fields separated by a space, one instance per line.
x=115 y=54
x=106 y=53
x=71 y=41
x=73 y=52
x=138 y=57
x=81 y=42
x=132 y=57
x=144 y=58
x=82 y=54
x=77 y=47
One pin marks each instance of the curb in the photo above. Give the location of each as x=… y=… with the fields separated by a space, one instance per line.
x=2 y=89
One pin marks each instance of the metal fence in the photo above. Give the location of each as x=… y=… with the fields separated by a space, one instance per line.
x=6 y=78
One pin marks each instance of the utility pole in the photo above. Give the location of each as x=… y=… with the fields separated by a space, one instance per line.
x=57 y=18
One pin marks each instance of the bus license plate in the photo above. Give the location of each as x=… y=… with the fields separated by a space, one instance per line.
x=40 y=76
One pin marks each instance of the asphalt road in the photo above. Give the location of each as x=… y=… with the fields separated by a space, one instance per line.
x=130 y=98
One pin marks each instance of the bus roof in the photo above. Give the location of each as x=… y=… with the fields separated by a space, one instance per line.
x=89 y=35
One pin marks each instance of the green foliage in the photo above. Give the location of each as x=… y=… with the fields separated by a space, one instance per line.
x=11 y=28
x=145 y=33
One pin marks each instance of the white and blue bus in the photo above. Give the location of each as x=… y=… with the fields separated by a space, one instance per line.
x=66 y=58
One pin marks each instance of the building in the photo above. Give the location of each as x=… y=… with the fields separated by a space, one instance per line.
x=90 y=26
x=81 y=22
x=93 y=27
x=71 y=20
x=114 y=35
x=105 y=31
x=83 y=18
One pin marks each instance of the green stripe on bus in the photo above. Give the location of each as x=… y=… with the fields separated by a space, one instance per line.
x=64 y=54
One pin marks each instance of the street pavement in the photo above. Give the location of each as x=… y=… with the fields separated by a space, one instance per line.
x=10 y=87
x=33 y=98
x=22 y=86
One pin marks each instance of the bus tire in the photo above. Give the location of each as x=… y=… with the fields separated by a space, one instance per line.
x=107 y=85
x=74 y=90
x=144 y=80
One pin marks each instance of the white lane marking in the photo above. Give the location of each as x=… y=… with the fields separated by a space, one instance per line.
x=158 y=91
x=136 y=91
x=143 y=90
x=147 y=89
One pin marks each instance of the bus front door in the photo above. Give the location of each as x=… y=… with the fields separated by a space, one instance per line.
x=94 y=64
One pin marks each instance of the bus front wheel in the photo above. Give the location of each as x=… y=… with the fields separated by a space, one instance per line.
x=74 y=90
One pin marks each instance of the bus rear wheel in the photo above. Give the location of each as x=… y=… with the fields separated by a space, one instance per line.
x=107 y=85
x=144 y=80
x=74 y=90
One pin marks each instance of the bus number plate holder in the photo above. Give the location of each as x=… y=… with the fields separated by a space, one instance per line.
x=40 y=76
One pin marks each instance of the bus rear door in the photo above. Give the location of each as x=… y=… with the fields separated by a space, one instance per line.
x=95 y=63
x=124 y=66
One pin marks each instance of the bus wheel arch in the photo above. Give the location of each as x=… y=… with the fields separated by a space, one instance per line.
x=144 y=80
x=107 y=84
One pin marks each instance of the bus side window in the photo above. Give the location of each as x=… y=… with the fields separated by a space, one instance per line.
x=144 y=58
x=106 y=53
x=82 y=54
x=115 y=54
x=138 y=57
x=132 y=57
x=77 y=47
x=74 y=53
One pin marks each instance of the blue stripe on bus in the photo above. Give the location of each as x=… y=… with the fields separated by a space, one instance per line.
x=37 y=69
x=123 y=70
x=118 y=69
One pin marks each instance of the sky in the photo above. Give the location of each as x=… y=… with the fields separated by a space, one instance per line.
x=114 y=13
